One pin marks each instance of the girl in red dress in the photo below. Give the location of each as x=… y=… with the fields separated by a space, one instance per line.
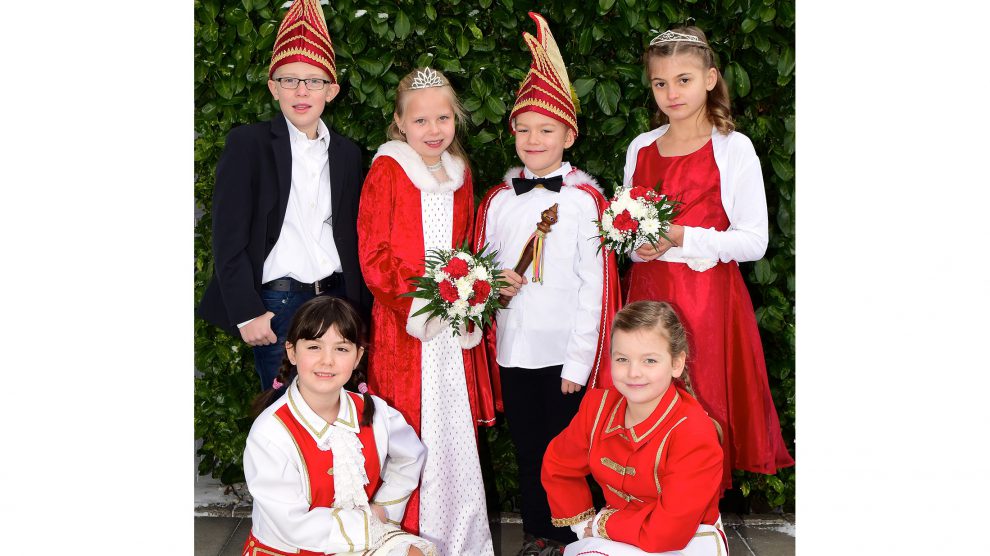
x=418 y=197
x=696 y=158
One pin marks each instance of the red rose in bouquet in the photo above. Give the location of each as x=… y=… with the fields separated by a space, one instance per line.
x=456 y=268
x=624 y=222
x=448 y=291
x=482 y=290
x=639 y=192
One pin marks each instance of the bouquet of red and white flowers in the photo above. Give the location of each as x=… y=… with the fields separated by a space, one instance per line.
x=458 y=287
x=635 y=216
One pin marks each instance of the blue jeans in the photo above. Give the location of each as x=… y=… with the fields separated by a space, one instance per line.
x=267 y=359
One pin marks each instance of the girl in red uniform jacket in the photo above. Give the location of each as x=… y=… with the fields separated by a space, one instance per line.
x=648 y=443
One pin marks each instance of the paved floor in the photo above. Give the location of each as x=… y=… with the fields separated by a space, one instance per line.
x=751 y=535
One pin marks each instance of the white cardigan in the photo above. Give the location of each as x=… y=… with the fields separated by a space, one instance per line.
x=277 y=479
x=743 y=198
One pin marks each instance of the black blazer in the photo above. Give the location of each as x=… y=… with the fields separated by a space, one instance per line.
x=249 y=202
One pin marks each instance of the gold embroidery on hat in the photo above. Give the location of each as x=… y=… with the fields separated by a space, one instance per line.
x=546 y=106
x=307 y=53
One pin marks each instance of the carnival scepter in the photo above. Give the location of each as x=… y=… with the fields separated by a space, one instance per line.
x=533 y=251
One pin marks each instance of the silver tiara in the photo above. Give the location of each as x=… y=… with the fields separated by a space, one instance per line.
x=671 y=36
x=425 y=79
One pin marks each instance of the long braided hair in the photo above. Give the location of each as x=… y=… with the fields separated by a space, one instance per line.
x=660 y=316
x=311 y=322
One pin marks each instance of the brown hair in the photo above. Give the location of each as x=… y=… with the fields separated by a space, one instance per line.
x=717 y=107
x=401 y=97
x=660 y=317
x=311 y=322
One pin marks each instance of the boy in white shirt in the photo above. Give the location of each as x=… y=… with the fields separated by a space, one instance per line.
x=285 y=201
x=551 y=340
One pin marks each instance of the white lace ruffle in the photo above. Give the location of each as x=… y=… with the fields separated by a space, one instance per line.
x=349 y=476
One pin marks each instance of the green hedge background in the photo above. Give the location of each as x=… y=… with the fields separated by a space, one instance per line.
x=480 y=48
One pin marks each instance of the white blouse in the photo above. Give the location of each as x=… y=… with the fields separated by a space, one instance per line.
x=743 y=198
x=278 y=482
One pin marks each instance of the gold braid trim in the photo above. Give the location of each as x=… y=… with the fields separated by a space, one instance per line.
x=391 y=502
x=316 y=46
x=601 y=523
x=625 y=496
x=565 y=117
x=568 y=521
x=656 y=463
x=620 y=469
x=309 y=54
x=284 y=37
x=673 y=402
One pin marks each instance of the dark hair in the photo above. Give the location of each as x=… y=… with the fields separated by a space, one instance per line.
x=311 y=322
x=659 y=316
x=717 y=105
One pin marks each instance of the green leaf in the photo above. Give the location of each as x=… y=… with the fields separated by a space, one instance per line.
x=605 y=5
x=480 y=87
x=484 y=136
x=764 y=272
x=632 y=18
x=485 y=3
x=767 y=14
x=748 y=25
x=670 y=11
x=741 y=79
x=463 y=45
x=402 y=25
x=267 y=28
x=495 y=105
x=583 y=86
x=785 y=64
x=475 y=31
x=431 y=12
x=607 y=95
x=471 y=103
x=373 y=68
x=613 y=125
x=782 y=168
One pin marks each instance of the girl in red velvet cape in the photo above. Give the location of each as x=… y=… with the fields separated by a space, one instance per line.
x=418 y=197
x=714 y=172
x=649 y=445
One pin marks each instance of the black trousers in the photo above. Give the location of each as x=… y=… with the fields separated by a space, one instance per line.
x=536 y=412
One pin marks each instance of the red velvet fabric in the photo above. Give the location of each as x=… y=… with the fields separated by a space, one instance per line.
x=390 y=248
x=728 y=370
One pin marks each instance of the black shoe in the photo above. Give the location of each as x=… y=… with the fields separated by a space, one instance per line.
x=532 y=546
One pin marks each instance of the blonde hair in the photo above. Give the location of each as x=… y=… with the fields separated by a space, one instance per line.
x=717 y=107
x=402 y=97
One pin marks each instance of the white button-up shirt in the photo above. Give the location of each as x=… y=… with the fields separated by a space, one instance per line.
x=555 y=322
x=305 y=249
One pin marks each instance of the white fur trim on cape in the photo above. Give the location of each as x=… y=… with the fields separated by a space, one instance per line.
x=422 y=327
x=468 y=340
x=573 y=178
x=414 y=167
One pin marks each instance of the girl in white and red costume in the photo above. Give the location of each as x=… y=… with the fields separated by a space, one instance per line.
x=418 y=197
x=330 y=470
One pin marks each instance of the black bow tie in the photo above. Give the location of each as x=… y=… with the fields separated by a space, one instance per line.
x=523 y=185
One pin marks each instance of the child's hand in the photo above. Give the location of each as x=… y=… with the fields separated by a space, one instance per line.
x=676 y=234
x=379 y=512
x=258 y=332
x=568 y=387
x=587 y=530
x=515 y=282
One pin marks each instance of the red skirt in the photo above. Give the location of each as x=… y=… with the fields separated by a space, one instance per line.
x=726 y=364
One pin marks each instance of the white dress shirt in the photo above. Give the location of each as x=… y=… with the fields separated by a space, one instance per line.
x=279 y=483
x=555 y=322
x=743 y=198
x=305 y=249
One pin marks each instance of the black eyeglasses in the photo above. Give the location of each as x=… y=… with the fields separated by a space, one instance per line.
x=312 y=84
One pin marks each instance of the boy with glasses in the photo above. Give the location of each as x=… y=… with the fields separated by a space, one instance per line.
x=285 y=201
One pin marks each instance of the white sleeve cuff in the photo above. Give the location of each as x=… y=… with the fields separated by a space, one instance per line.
x=579 y=528
x=422 y=327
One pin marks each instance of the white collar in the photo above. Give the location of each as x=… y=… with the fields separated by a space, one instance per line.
x=574 y=176
x=347 y=415
x=414 y=167
x=565 y=168
x=296 y=136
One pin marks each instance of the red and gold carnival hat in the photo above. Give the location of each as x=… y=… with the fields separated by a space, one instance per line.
x=303 y=37
x=546 y=89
